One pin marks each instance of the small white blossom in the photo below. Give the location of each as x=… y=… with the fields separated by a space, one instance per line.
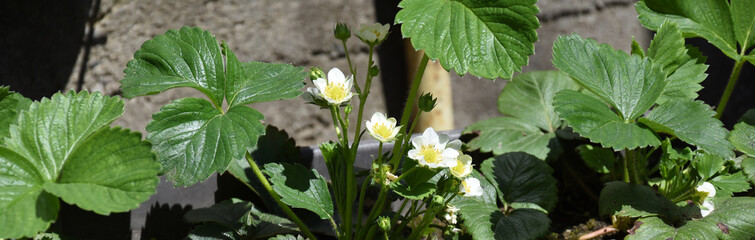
x=433 y=150
x=373 y=33
x=708 y=188
x=381 y=128
x=451 y=209
x=455 y=230
x=463 y=166
x=706 y=208
x=337 y=88
x=471 y=187
x=450 y=218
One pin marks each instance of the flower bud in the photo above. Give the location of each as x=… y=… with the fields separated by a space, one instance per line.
x=374 y=71
x=342 y=31
x=347 y=110
x=384 y=223
x=439 y=200
x=316 y=73
x=427 y=102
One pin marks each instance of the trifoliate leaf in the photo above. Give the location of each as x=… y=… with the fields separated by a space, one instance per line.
x=488 y=39
x=189 y=57
x=629 y=83
x=484 y=220
x=692 y=122
x=592 y=119
x=598 y=159
x=728 y=184
x=531 y=122
x=522 y=178
x=743 y=17
x=63 y=146
x=709 y=19
x=191 y=133
x=260 y=82
x=300 y=187
x=11 y=104
x=743 y=138
x=193 y=139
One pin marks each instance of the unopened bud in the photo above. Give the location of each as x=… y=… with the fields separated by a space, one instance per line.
x=342 y=31
x=384 y=223
x=315 y=73
x=347 y=110
x=427 y=102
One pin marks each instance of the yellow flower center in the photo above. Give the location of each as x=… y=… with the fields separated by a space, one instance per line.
x=430 y=154
x=377 y=33
x=382 y=130
x=335 y=91
x=459 y=169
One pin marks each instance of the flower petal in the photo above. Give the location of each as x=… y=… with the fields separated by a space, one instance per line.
x=335 y=75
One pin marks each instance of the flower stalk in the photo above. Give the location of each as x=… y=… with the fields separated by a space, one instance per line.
x=729 y=88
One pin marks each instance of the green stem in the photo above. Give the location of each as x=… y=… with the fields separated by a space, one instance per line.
x=406 y=173
x=375 y=210
x=632 y=161
x=302 y=227
x=626 y=169
x=360 y=209
x=363 y=97
x=348 y=59
x=371 y=232
x=729 y=88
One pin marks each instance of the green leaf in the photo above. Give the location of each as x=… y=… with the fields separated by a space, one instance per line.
x=692 y=122
x=726 y=185
x=211 y=231
x=684 y=82
x=743 y=17
x=63 y=146
x=630 y=84
x=261 y=82
x=632 y=200
x=300 y=187
x=11 y=104
x=748 y=117
x=598 y=159
x=231 y=214
x=683 y=65
x=528 y=127
x=529 y=96
x=193 y=139
x=655 y=228
x=707 y=165
x=484 y=220
x=522 y=178
x=111 y=171
x=287 y=237
x=666 y=47
x=417 y=184
x=591 y=118
x=743 y=138
x=236 y=219
x=709 y=19
x=748 y=167
x=189 y=57
x=637 y=49
x=488 y=39
x=506 y=134
x=274 y=146
x=734 y=218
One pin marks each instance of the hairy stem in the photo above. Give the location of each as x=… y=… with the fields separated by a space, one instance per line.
x=363 y=98
x=302 y=227
x=408 y=109
x=729 y=88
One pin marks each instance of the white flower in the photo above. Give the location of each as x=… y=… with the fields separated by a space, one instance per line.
x=463 y=166
x=381 y=128
x=452 y=209
x=708 y=188
x=337 y=88
x=433 y=150
x=455 y=230
x=373 y=33
x=471 y=187
x=450 y=218
x=706 y=208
